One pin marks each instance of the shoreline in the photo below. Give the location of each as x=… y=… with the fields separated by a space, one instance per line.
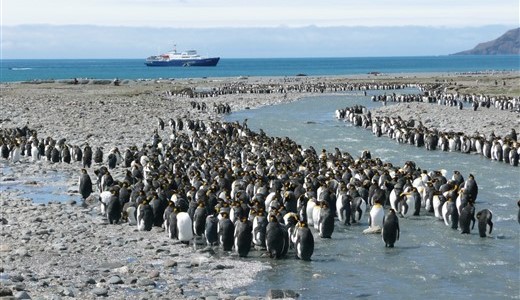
x=43 y=241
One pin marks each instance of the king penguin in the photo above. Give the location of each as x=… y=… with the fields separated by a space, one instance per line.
x=391 y=229
x=199 y=219
x=87 y=156
x=359 y=206
x=243 y=236
x=259 y=229
x=304 y=241
x=173 y=231
x=85 y=184
x=184 y=227
x=343 y=207
x=144 y=217
x=274 y=239
x=114 y=208
x=226 y=230
x=450 y=214
x=484 y=219
x=467 y=215
x=210 y=230
x=518 y=217
x=326 y=221
x=376 y=217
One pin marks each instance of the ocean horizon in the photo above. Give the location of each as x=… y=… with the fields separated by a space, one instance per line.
x=15 y=70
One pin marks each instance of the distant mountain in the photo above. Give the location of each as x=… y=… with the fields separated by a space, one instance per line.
x=508 y=43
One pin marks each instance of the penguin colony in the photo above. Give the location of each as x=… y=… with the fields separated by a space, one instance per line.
x=226 y=185
x=289 y=85
x=502 y=149
x=236 y=188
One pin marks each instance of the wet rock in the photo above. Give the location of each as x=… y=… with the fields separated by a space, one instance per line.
x=16 y=278
x=133 y=280
x=145 y=282
x=100 y=292
x=115 y=280
x=281 y=294
x=22 y=252
x=170 y=264
x=210 y=296
x=222 y=267
x=153 y=274
x=110 y=265
x=22 y=295
x=122 y=270
x=59 y=247
x=20 y=286
x=5 y=292
x=198 y=261
x=67 y=292
x=207 y=250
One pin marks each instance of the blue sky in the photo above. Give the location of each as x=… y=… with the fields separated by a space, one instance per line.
x=233 y=28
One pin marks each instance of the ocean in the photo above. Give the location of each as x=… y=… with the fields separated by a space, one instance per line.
x=430 y=260
x=48 y=69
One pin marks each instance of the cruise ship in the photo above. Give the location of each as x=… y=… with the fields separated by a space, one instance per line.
x=188 y=58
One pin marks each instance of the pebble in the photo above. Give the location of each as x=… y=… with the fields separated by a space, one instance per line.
x=170 y=264
x=22 y=252
x=153 y=274
x=145 y=282
x=281 y=294
x=5 y=292
x=100 y=292
x=16 y=278
x=59 y=247
x=67 y=292
x=19 y=286
x=115 y=280
x=22 y=295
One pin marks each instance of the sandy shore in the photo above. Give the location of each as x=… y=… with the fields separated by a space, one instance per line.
x=68 y=250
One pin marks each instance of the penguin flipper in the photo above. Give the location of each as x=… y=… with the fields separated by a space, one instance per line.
x=360 y=212
x=490 y=223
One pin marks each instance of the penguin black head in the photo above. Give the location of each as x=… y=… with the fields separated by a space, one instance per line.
x=272 y=218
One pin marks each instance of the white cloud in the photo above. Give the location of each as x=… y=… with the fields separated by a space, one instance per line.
x=266 y=13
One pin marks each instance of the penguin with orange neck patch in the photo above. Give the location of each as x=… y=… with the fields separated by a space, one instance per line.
x=391 y=231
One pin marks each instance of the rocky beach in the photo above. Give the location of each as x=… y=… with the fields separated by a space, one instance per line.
x=67 y=249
